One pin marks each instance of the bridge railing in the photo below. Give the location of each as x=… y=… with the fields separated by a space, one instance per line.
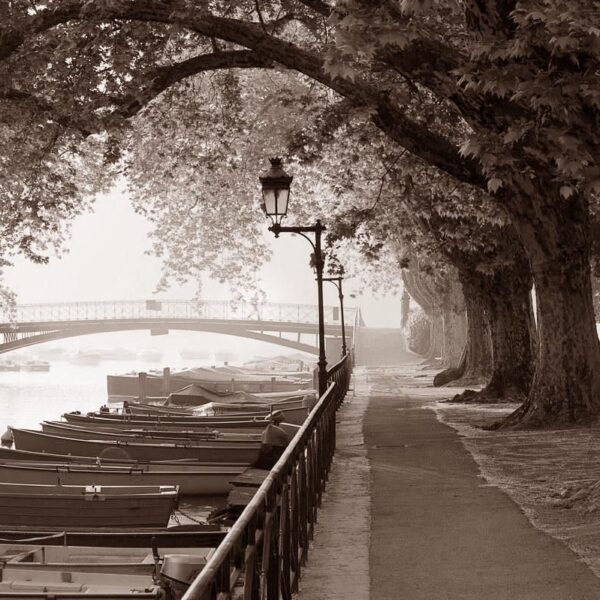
x=268 y=545
x=172 y=309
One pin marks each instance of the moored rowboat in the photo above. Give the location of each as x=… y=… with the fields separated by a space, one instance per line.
x=92 y=433
x=191 y=479
x=91 y=559
x=208 y=451
x=152 y=421
x=39 y=505
x=13 y=455
x=168 y=428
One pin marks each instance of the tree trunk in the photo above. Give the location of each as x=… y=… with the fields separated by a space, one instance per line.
x=476 y=364
x=454 y=329
x=455 y=342
x=434 y=353
x=509 y=313
x=506 y=297
x=566 y=385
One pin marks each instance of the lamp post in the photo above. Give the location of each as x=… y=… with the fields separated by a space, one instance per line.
x=337 y=281
x=276 y=194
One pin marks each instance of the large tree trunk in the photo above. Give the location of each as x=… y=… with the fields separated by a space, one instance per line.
x=509 y=313
x=454 y=330
x=475 y=367
x=506 y=296
x=566 y=385
x=455 y=341
x=434 y=354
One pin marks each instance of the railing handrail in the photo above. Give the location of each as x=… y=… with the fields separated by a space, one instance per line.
x=282 y=467
x=336 y=367
x=162 y=309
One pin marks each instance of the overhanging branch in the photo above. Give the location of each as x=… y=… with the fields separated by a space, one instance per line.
x=150 y=85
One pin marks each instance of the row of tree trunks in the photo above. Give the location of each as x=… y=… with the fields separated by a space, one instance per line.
x=499 y=352
x=442 y=301
x=554 y=368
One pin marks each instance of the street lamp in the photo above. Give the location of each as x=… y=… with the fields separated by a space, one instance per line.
x=337 y=281
x=276 y=193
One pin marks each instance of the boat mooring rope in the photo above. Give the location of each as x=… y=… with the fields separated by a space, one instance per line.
x=187 y=516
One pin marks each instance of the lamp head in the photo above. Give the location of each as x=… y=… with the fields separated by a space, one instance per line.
x=275 y=185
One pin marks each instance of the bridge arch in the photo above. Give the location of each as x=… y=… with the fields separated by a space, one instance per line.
x=50 y=336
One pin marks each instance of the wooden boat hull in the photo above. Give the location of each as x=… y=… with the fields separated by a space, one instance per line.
x=186 y=536
x=278 y=413
x=91 y=433
x=217 y=452
x=191 y=480
x=13 y=455
x=152 y=421
x=169 y=430
x=81 y=506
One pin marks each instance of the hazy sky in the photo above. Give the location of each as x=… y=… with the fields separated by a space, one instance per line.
x=107 y=261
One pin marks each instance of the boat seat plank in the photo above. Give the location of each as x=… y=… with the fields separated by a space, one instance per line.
x=240 y=496
x=250 y=477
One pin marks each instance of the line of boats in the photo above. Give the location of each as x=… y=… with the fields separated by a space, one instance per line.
x=123 y=471
x=28 y=365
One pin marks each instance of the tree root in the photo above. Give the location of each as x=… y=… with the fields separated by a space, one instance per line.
x=486 y=396
x=446 y=376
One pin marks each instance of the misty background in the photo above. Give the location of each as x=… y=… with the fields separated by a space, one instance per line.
x=107 y=259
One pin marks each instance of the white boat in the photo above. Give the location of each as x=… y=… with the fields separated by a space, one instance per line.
x=91 y=559
x=38 y=505
x=42 y=571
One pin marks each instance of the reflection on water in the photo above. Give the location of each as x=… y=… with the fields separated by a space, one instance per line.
x=27 y=398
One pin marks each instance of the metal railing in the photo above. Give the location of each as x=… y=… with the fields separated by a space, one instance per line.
x=171 y=309
x=266 y=549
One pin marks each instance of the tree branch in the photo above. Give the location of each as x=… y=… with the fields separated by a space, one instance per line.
x=152 y=84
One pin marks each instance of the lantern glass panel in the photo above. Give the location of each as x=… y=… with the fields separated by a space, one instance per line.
x=270 y=202
x=283 y=196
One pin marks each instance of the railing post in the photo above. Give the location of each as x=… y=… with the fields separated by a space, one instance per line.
x=251 y=584
x=285 y=542
x=294 y=529
x=303 y=507
x=223 y=580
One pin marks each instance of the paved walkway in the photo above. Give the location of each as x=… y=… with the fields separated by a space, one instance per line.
x=437 y=530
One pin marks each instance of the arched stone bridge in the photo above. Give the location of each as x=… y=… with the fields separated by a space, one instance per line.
x=282 y=324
